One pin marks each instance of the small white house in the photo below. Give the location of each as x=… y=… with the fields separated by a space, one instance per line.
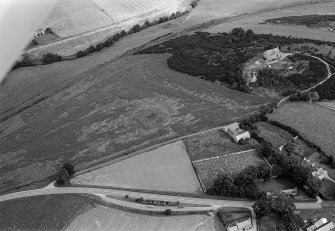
x=235 y=132
x=327 y=227
x=317 y=224
x=271 y=55
x=241 y=226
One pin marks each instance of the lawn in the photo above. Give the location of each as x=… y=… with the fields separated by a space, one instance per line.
x=104 y=218
x=275 y=185
x=269 y=222
x=167 y=168
x=214 y=143
x=328 y=213
x=314 y=123
x=231 y=165
x=275 y=135
x=50 y=212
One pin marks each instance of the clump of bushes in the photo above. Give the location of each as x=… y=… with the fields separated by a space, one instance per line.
x=64 y=175
x=327 y=89
x=51 y=58
x=310 y=96
x=25 y=62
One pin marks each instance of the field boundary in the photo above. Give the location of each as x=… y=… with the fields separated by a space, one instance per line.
x=230 y=154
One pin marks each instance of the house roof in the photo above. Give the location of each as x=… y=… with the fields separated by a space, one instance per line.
x=233 y=126
x=244 y=224
x=327 y=227
x=269 y=53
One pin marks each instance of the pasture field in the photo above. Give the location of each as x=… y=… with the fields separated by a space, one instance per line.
x=230 y=164
x=256 y=22
x=214 y=143
x=314 y=122
x=105 y=218
x=167 y=168
x=124 y=106
x=275 y=135
x=48 y=212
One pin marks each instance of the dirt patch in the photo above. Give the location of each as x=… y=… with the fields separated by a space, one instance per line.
x=151 y=118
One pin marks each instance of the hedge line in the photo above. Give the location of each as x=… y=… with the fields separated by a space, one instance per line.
x=52 y=58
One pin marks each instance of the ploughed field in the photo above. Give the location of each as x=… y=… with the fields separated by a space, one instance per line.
x=167 y=168
x=125 y=105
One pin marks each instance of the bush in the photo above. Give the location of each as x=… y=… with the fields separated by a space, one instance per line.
x=25 y=62
x=116 y=37
x=109 y=42
x=168 y=212
x=51 y=58
x=194 y=3
x=123 y=33
x=81 y=54
x=137 y=28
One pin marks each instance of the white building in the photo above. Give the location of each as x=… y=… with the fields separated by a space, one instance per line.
x=327 y=227
x=271 y=55
x=317 y=224
x=235 y=132
x=241 y=226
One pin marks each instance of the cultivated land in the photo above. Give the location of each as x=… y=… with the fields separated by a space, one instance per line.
x=50 y=212
x=214 y=143
x=231 y=164
x=167 y=168
x=105 y=218
x=126 y=105
x=256 y=22
x=314 y=122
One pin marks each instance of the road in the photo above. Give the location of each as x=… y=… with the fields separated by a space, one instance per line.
x=203 y=204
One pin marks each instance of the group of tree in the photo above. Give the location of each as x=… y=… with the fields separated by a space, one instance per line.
x=243 y=185
x=290 y=166
x=327 y=89
x=136 y=28
x=310 y=96
x=281 y=205
x=221 y=57
x=51 y=58
x=64 y=175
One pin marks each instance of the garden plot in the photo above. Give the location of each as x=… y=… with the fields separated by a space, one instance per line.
x=214 y=143
x=209 y=169
x=275 y=135
x=167 y=168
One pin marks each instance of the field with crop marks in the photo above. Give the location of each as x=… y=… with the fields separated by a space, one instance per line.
x=167 y=168
x=230 y=164
x=104 y=218
x=314 y=122
x=114 y=110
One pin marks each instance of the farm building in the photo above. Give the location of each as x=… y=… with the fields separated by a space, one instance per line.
x=327 y=227
x=317 y=224
x=293 y=191
x=317 y=171
x=271 y=55
x=236 y=132
x=241 y=226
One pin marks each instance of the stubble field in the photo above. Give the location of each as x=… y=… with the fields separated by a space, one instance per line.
x=125 y=105
x=104 y=218
x=167 y=168
x=314 y=122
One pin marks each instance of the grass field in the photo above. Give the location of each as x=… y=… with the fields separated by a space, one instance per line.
x=314 y=122
x=104 y=218
x=50 y=212
x=275 y=135
x=214 y=143
x=328 y=104
x=121 y=107
x=269 y=222
x=167 y=168
x=230 y=165
x=275 y=185
x=328 y=213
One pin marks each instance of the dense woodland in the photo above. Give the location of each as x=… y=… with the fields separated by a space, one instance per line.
x=314 y=20
x=220 y=57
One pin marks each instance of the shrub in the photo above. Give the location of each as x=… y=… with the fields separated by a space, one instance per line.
x=51 y=58
x=123 y=33
x=137 y=28
x=168 y=212
x=194 y=3
x=109 y=42
x=81 y=54
x=25 y=62
x=99 y=47
x=116 y=37
x=90 y=50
